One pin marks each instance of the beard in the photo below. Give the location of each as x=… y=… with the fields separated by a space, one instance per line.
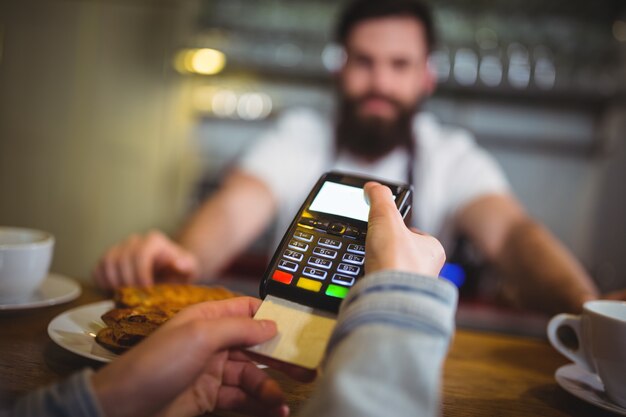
x=371 y=137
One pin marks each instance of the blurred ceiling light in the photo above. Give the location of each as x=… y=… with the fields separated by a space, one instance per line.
x=204 y=61
x=254 y=106
x=267 y=105
x=619 y=30
x=224 y=103
x=519 y=75
x=333 y=57
x=545 y=73
x=519 y=66
x=439 y=62
x=228 y=104
x=490 y=71
x=465 y=66
x=207 y=61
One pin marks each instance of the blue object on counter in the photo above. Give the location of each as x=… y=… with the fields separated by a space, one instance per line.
x=453 y=273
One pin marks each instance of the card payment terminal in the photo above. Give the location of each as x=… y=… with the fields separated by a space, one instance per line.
x=322 y=254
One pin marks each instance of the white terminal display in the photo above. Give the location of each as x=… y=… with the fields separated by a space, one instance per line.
x=341 y=200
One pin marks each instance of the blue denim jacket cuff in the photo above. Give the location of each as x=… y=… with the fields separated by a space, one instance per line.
x=72 y=397
x=401 y=299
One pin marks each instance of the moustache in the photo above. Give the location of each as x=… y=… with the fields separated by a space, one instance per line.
x=374 y=96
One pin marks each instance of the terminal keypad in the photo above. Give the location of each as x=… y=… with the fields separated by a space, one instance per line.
x=323 y=257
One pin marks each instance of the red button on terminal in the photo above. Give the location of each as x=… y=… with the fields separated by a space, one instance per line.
x=283 y=277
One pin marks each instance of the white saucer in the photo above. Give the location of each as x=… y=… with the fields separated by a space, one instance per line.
x=76 y=329
x=586 y=386
x=55 y=289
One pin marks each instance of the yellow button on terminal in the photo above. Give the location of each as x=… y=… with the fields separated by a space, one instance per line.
x=309 y=284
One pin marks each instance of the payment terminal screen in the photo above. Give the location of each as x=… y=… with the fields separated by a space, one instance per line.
x=341 y=200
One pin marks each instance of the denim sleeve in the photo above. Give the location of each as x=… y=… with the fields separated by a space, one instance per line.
x=386 y=352
x=73 y=397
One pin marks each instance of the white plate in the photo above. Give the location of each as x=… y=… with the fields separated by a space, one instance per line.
x=55 y=289
x=75 y=330
x=586 y=386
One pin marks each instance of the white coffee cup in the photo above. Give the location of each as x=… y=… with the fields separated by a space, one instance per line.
x=25 y=256
x=596 y=341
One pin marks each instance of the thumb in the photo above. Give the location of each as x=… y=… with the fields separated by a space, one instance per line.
x=382 y=203
x=185 y=262
x=236 y=332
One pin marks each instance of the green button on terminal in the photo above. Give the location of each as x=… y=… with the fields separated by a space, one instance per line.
x=337 y=291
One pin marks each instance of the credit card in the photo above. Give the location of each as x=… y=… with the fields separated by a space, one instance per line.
x=303 y=332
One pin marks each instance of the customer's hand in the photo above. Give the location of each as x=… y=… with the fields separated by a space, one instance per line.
x=140 y=260
x=391 y=245
x=191 y=365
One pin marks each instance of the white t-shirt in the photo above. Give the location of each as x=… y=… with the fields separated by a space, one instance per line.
x=450 y=169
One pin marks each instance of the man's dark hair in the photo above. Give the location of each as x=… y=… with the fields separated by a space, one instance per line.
x=361 y=10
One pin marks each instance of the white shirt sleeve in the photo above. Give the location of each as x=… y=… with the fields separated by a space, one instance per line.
x=291 y=156
x=473 y=173
x=452 y=171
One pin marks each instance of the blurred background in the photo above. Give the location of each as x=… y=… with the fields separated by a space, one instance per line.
x=119 y=116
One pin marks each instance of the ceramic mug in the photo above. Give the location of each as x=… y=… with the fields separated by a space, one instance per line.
x=596 y=341
x=25 y=256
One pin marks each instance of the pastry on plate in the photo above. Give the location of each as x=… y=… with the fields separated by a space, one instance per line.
x=140 y=311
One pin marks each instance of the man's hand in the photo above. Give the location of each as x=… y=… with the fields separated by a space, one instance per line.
x=537 y=271
x=390 y=245
x=191 y=365
x=139 y=260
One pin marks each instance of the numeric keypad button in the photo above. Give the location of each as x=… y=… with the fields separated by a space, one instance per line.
x=314 y=273
x=358 y=249
x=343 y=280
x=293 y=255
x=297 y=245
x=348 y=269
x=320 y=263
x=353 y=259
x=329 y=243
x=304 y=236
x=287 y=265
x=326 y=253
